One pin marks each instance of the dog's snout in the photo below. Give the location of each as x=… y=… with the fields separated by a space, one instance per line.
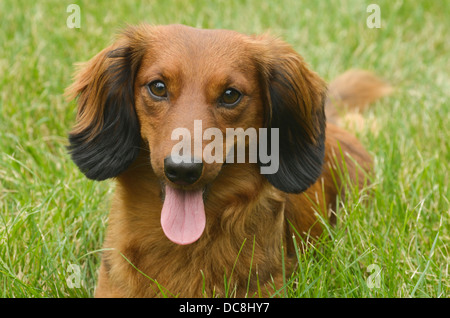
x=182 y=173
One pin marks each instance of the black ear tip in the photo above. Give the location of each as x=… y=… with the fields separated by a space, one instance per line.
x=285 y=185
x=299 y=167
x=295 y=179
x=102 y=158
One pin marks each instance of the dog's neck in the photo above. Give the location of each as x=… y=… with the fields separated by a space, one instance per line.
x=240 y=211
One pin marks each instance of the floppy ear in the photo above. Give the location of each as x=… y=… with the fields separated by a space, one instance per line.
x=294 y=103
x=106 y=138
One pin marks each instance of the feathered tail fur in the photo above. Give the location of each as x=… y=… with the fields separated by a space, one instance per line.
x=353 y=91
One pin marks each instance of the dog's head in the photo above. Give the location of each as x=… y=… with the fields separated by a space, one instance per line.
x=178 y=89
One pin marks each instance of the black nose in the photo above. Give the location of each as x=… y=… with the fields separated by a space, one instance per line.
x=182 y=173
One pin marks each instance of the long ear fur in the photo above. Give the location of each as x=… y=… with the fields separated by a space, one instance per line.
x=106 y=138
x=294 y=103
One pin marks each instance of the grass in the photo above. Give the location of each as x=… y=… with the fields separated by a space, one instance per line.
x=52 y=217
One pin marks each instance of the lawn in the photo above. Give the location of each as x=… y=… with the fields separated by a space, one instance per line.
x=395 y=244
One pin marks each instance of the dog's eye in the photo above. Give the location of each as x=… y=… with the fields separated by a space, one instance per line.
x=157 y=89
x=230 y=97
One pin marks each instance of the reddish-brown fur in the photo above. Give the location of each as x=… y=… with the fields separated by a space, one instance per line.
x=248 y=220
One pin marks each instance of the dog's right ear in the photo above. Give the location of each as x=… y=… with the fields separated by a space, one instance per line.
x=106 y=138
x=294 y=104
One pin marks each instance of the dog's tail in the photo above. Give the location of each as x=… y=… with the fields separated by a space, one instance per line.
x=354 y=90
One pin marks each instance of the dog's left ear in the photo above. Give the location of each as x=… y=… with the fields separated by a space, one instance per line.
x=294 y=99
x=106 y=138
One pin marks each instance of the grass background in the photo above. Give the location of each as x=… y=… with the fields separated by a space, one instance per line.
x=51 y=216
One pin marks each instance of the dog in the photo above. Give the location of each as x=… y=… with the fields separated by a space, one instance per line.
x=191 y=228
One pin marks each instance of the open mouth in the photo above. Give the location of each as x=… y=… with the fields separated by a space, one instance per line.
x=183 y=215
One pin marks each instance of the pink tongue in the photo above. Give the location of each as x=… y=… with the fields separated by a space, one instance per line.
x=183 y=215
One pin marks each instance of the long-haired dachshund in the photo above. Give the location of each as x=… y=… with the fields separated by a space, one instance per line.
x=193 y=227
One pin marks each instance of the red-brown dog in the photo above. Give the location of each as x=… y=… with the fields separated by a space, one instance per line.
x=179 y=227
